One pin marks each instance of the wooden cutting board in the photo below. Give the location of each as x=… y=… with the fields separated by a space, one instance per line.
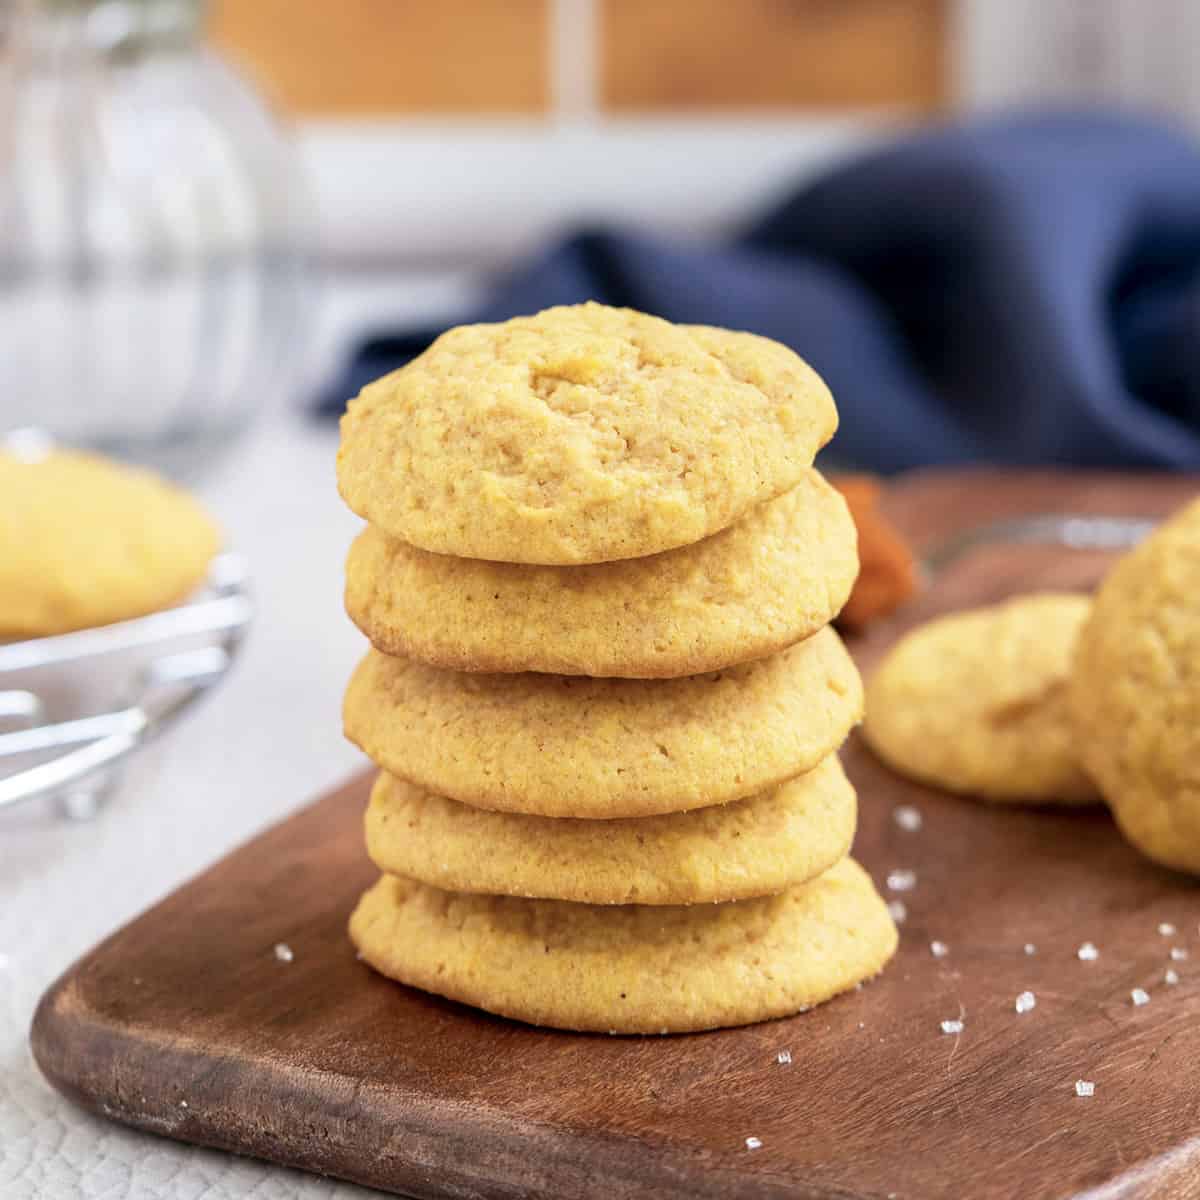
x=185 y=1023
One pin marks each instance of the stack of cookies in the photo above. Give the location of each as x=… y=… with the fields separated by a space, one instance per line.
x=598 y=576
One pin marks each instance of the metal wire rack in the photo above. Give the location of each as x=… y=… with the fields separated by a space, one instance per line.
x=182 y=653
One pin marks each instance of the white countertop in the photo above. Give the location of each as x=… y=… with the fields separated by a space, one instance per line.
x=266 y=741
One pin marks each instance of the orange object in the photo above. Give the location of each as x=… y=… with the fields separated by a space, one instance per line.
x=888 y=574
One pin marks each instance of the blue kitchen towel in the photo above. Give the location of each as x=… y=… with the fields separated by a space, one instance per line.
x=1015 y=290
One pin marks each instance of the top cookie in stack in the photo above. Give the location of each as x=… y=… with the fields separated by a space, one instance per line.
x=596 y=492
x=580 y=435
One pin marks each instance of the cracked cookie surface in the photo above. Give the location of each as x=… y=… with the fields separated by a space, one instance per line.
x=581 y=434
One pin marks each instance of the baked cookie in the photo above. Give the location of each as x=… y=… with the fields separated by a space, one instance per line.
x=86 y=541
x=569 y=746
x=629 y=968
x=752 y=847
x=1135 y=692
x=582 y=434
x=773 y=578
x=976 y=702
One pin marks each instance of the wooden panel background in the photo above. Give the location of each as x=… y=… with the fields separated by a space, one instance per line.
x=363 y=58
x=347 y=58
x=711 y=54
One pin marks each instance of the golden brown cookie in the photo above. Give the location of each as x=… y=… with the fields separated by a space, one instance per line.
x=1135 y=692
x=568 y=746
x=976 y=702
x=630 y=968
x=582 y=434
x=752 y=847
x=86 y=541
x=771 y=579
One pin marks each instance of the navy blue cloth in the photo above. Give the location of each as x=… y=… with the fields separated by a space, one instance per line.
x=1017 y=290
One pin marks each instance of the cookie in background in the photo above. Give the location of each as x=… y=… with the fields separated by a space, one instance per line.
x=87 y=541
x=1135 y=692
x=976 y=702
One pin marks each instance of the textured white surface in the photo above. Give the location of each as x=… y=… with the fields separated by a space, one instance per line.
x=269 y=739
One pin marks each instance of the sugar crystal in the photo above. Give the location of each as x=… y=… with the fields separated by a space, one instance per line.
x=1026 y=1001
x=954 y=1026
x=1171 y=977
x=939 y=949
x=1178 y=954
x=907 y=817
x=1166 y=929
x=902 y=880
x=784 y=1057
x=898 y=911
x=1084 y=1087
x=283 y=952
x=1030 y=948
x=1139 y=996
x=1088 y=953
x=753 y=1143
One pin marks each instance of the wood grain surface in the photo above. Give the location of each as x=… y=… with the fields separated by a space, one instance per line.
x=185 y=1023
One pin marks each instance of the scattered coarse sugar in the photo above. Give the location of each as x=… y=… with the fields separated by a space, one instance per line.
x=1178 y=954
x=953 y=1026
x=901 y=879
x=898 y=911
x=1084 y=1087
x=1166 y=929
x=784 y=1058
x=907 y=817
x=939 y=949
x=753 y=1143
x=283 y=952
x=1087 y=952
x=1025 y=1001
x=1170 y=977
x=1030 y=948
x=1139 y=996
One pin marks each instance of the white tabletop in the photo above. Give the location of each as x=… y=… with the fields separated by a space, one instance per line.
x=267 y=740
